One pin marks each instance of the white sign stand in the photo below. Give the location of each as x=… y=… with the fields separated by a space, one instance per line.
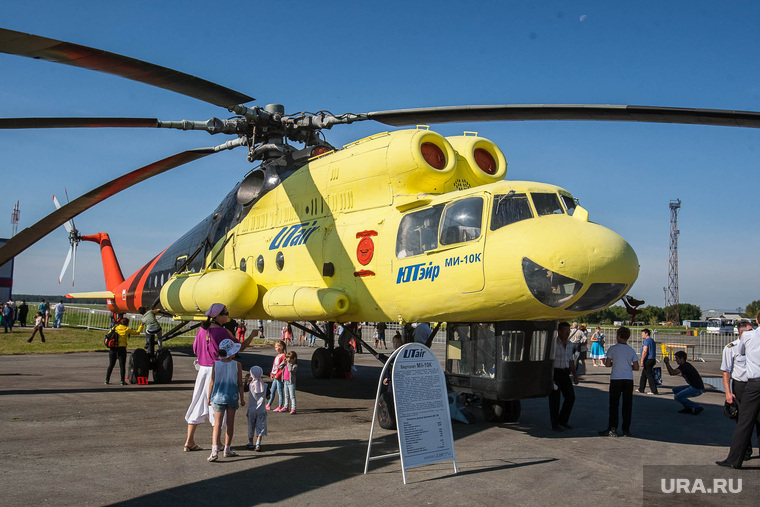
x=422 y=409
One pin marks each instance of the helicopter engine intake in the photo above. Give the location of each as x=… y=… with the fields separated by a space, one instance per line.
x=479 y=162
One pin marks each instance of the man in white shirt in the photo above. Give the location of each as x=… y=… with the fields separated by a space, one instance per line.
x=749 y=412
x=564 y=365
x=735 y=377
x=624 y=361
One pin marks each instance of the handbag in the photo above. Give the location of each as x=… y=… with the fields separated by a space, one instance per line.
x=112 y=338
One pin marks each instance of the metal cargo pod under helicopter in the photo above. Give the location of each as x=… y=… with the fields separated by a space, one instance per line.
x=502 y=362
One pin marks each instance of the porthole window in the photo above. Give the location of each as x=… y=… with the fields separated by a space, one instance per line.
x=279 y=261
x=242 y=264
x=260 y=264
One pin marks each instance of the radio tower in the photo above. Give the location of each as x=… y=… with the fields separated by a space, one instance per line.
x=671 y=296
x=14 y=219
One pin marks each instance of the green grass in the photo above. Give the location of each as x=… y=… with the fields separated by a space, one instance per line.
x=68 y=339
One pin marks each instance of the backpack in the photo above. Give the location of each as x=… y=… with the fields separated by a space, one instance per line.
x=112 y=338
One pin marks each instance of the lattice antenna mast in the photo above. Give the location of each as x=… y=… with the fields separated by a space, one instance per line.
x=14 y=219
x=671 y=298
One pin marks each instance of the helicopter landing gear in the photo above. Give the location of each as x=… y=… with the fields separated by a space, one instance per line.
x=138 y=366
x=142 y=361
x=386 y=415
x=501 y=411
x=326 y=362
x=322 y=363
x=341 y=361
x=164 y=367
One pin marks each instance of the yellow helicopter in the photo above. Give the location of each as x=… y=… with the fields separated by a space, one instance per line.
x=402 y=226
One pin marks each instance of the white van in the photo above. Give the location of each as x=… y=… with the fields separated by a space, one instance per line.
x=720 y=325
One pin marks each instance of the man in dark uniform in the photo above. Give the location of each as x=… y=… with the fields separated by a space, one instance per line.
x=23 y=311
x=749 y=410
x=564 y=365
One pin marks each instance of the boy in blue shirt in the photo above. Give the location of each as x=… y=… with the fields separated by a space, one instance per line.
x=648 y=360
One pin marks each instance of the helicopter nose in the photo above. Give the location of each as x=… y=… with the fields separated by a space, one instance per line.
x=576 y=257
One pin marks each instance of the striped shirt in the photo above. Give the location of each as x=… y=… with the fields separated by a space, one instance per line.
x=563 y=355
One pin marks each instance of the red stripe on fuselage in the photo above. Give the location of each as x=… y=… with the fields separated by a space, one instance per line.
x=138 y=296
x=128 y=295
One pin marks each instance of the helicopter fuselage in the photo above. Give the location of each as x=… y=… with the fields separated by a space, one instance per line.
x=393 y=229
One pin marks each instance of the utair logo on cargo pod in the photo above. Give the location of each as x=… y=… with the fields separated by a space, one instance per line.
x=417 y=272
x=294 y=235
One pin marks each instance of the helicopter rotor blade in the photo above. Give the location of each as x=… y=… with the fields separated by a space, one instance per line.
x=74 y=262
x=42 y=228
x=66 y=263
x=68 y=225
x=59 y=123
x=587 y=112
x=52 y=50
x=73 y=227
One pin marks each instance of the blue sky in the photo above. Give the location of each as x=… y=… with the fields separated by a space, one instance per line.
x=362 y=56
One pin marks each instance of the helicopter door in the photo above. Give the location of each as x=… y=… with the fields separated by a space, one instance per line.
x=461 y=228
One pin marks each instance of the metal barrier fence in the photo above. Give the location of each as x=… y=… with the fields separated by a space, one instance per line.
x=90 y=318
x=705 y=346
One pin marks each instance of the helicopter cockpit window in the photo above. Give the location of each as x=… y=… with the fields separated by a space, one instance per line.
x=508 y=209
x=570 y=203
x=462 y=221
x=547 y=204
x=418 y=232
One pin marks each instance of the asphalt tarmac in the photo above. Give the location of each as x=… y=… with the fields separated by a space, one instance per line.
x=68 y=439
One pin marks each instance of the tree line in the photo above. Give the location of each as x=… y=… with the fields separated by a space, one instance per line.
x=651 y=315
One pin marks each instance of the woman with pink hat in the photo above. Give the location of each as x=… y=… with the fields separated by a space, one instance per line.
x=206 y=347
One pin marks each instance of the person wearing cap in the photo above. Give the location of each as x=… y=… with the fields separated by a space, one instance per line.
x=206 y=346
x=734 y=370
x=257 y=412
x=749 y=410
x=225 y=395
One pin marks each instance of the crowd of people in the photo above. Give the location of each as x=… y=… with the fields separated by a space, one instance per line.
x=220 y=383
x=623 y=360
x=12 y=313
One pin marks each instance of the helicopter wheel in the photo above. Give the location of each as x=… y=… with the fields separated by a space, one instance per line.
x=386 y=416
x=512 y=410
x=162 y=373
x=138 y=365
x=321 y=363
x=341 y=361
x=501 y=411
